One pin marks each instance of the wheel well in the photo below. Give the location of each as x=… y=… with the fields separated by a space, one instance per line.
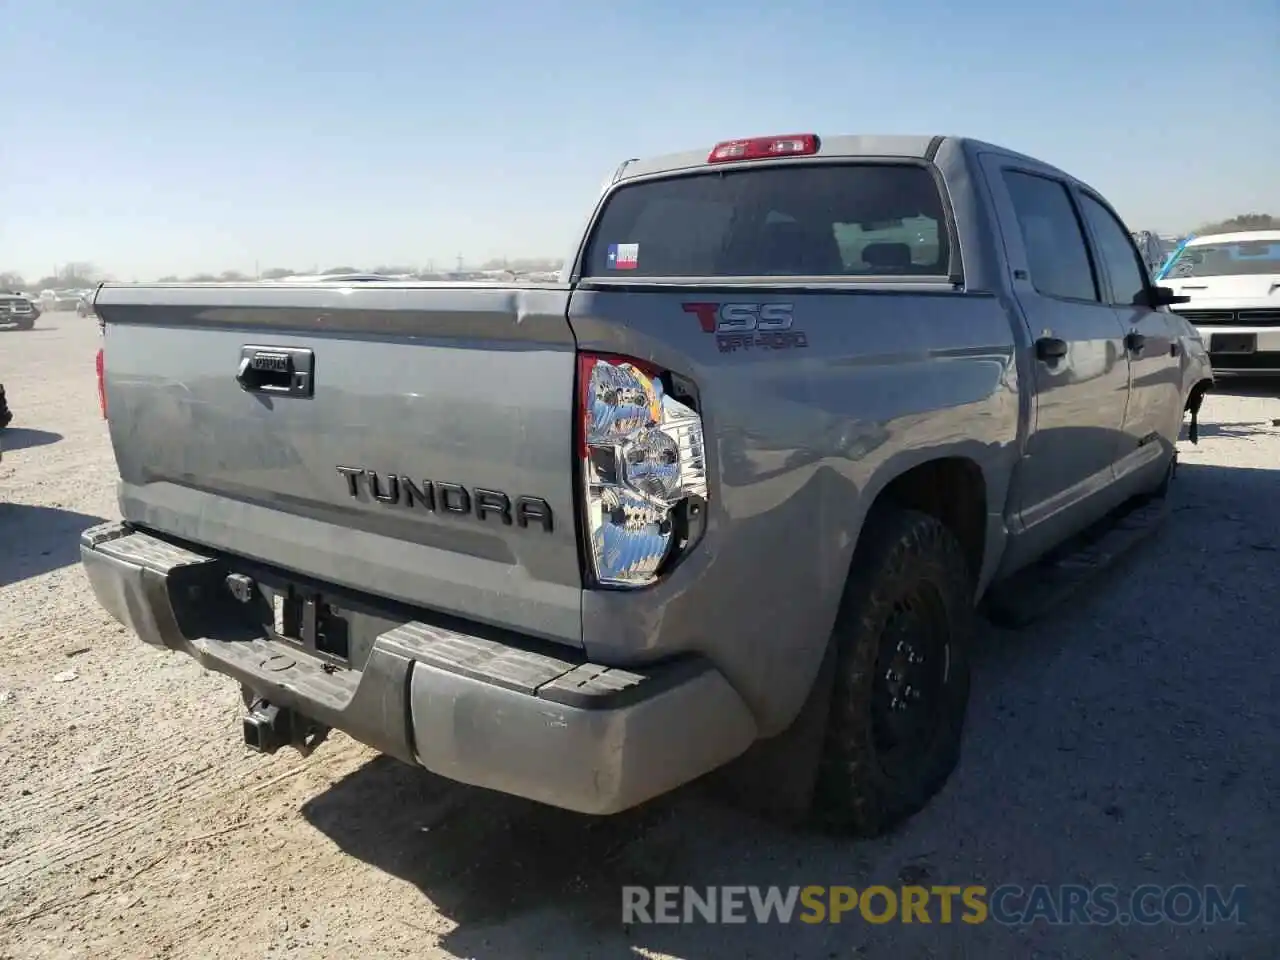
x=953 y=490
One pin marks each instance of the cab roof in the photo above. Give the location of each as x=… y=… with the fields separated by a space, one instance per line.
x=1244 y=236
x=840 y=146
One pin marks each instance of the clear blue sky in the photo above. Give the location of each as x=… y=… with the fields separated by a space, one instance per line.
x=162 y=137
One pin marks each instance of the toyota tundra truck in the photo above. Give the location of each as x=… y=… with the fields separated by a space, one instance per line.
x=739 y=478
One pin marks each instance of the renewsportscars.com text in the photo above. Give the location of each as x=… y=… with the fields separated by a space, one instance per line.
x=1008 y=905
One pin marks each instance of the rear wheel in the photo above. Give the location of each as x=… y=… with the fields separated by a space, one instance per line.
x=902 y=674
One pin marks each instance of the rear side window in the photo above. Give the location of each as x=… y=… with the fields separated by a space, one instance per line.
x=1056 y=253
x=845 y=220
x=1116 y=250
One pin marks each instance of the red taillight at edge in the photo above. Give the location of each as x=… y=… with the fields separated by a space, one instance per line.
x=760 y=148
x=586 y=366
x=102 y=383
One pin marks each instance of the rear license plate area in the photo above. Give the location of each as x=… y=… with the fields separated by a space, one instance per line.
x=1233 y=343
x=307 y=620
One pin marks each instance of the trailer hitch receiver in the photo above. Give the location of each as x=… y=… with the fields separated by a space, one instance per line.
x=268 y=727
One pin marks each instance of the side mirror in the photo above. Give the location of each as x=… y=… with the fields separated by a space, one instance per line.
x=1156 y=297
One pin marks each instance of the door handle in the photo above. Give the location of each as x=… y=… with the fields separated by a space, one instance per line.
x=1050 y=349
x=1134 y=341
x=280 y=371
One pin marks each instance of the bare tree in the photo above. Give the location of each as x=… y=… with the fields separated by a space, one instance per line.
x=70 y=276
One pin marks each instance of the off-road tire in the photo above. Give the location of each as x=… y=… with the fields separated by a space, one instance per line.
x=906 y=561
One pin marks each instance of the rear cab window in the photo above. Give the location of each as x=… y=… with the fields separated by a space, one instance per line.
x=836 y=220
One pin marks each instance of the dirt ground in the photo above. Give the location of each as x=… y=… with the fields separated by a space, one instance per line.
x=1132 y=739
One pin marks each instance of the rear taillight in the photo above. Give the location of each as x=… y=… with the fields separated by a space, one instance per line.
x=644 y=470
x=102 y=383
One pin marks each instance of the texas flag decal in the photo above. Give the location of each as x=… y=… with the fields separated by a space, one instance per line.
x=624 y=256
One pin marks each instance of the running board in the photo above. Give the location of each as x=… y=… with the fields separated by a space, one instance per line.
x=1037 y=590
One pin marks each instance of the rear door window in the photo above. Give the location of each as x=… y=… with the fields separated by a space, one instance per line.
x=839 y=220
x=1057 y=254
x=1116 y=250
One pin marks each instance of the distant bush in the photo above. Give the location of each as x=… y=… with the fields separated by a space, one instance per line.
x=1242 y=223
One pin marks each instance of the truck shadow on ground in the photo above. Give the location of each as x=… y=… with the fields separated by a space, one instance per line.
x=35 y=540
x=1099 y=745
x=42 y=326
x=481 y=857
x=1240 y=430
x=24 y=438
x=512 y=873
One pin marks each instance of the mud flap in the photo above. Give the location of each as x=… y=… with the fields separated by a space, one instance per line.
x=1193 y=407
x=776 y=777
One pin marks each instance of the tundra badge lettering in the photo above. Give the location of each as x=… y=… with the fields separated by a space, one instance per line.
x=452 y=498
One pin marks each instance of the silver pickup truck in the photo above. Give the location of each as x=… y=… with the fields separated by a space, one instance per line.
x=795 y=404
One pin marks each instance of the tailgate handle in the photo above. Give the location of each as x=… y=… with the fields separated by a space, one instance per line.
x=279 y=371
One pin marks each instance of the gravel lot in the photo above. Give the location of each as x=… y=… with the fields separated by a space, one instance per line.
x=1132 y=739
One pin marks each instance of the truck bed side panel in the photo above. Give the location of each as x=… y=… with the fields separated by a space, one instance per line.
x=800 y=441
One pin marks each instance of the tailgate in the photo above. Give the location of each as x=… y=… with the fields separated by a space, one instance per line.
x=410 y=441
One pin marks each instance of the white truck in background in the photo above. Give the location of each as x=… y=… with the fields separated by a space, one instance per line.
x=1232 y=281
